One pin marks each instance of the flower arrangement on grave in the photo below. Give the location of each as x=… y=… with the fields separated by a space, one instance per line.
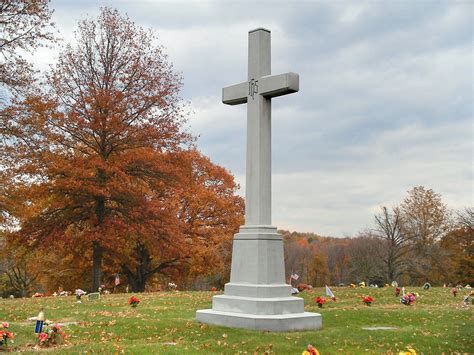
x=465 y=300
x=5 y=334
x=367 y=300
x=172 y=286
x=51 y=336
x=397 y=291
x=311 y=350
x=454 y=291
x=213 y=289
x=408 y=299
x=133 y=301
x=320 y=301
x=362 y=284
x=79 y=293
x=352 y=286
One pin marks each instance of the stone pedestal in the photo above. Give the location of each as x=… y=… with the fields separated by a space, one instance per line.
x=256 y=296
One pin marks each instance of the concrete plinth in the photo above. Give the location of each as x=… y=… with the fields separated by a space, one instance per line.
x=256 y=296
x=274 y=323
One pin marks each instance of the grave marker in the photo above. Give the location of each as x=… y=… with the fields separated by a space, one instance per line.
x=257 y=296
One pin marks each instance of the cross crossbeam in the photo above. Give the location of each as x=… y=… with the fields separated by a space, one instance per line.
x=268 y=86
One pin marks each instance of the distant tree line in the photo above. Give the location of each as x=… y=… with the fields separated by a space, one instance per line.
x=419 y=241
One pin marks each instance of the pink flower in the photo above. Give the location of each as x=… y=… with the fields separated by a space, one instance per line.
x=56 y=328
x=42 y=337
x=5 y=324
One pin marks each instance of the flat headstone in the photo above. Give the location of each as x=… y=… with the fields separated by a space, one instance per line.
x=93 y=296
x=379 y=328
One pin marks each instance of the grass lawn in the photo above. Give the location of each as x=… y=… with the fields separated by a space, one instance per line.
x=165 y=323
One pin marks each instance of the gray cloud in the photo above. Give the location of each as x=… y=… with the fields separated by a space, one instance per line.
x=385 y=99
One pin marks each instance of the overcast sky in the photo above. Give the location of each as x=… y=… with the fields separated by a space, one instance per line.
x=385 y=100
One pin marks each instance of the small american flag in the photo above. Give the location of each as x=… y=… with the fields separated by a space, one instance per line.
x=330 y=294
x=295 y=276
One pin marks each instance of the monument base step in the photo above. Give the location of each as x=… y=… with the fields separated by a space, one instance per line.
x=260 y=306
x=274 y=323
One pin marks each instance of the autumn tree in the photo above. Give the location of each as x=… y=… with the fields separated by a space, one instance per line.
x=24 y=26
x=426 y=217
x=208 y=213
x=365 y=262
x=18 y=265
x=317 y=271
x=426 y=220
x=459 y=242
x=95 y=151
x=389 y=228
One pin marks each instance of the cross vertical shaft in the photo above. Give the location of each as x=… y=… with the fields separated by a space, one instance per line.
x=257 y=92
x=258 y=169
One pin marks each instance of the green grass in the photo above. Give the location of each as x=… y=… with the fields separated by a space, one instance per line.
x=165 y=323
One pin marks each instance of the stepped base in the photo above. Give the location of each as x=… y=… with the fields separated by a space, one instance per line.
x=256 y=296
x=258 y=306
x=274 y=323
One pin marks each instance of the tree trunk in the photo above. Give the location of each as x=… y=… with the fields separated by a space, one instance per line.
x=96 y=266
x=138 y=278
x=97 y=250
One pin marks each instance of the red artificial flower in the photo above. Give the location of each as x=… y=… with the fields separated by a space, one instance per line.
x=213 y=289
x=42 y=337
x=5 y=334
x=5 y=325
x=133 y=300
x=367 y=300
x=320 y=301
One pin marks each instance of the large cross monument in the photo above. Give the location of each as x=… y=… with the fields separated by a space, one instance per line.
x=257 y=296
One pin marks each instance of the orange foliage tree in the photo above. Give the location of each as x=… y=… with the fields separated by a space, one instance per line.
x=203 y=213
x=101 y=158
x=24 y=25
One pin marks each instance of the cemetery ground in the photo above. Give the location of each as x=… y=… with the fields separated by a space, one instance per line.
x=164 y=323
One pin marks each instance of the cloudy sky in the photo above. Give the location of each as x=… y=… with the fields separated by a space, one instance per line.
x=385 y=101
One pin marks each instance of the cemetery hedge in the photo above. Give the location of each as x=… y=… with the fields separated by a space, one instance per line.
x=165 y=323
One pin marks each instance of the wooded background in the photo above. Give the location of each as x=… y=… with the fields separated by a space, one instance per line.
x=99 y=176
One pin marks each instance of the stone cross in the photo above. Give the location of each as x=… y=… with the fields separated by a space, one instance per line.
x=257 y=296
x=257 y=92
